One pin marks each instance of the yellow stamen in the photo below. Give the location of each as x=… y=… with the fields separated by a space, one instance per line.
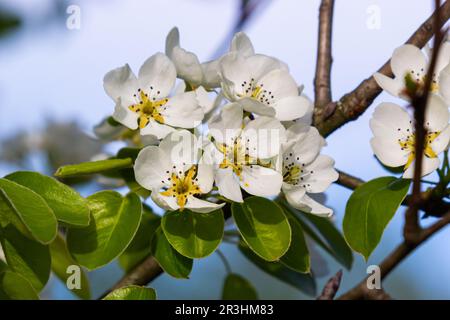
x=147 y=109
x=182 y=187
x=410 y=145
x=235 y=157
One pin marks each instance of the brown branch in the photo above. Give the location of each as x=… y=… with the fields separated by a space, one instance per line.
x=353 y=104
x=419 y=102
x=322 y=87
x=396 y=257
x=141 y=275
x=349 y=181
x=331 y=287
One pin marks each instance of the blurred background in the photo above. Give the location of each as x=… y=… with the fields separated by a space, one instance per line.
x=54 y=54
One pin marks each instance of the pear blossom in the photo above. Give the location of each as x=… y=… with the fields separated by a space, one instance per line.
x=410 y=61
x=305 y=170
x=242 y=151
x=394 y=137
x=143 y=102
x=188 y=65
x=176 y=173
x=262 y=85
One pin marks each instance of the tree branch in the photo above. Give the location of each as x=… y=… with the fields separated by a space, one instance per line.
x=353 y=104
x=397 y=256
x=331 y=287
x=322 y=87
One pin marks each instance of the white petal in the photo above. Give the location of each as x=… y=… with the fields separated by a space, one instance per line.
x=228 y=185
x=392 y=86
x=444 y=84
x=443 y=57
x=121 y=83
x=181 y=148
x=172 y=41
x=280 y=84
x=164 y=202
x=211 y=77
x=305 y=147
x=234 y=71
x=387 y=119
x=260 y=65
x=201 y=206
x=156 y=129
x=205 y=173
x=187 y=65
x=321 y=174
x=263 y=137
x=242 y=44
x=125 y=116
x=182 y=111
x=436 y=113
x=428 y=166
x=227 y=125
x=442 y=141
x=253 y=106
x=312 y=206
x=389 y=152
x=157 y=76
x=206 y=103
x=261 y=181
x=150 y=168
x=291 y=108
x=407 y=58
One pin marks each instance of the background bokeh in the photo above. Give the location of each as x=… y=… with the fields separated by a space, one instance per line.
x=51 y=92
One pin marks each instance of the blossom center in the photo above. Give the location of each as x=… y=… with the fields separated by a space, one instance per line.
x=183 y=186
x=415 y=82
x=409 y=144
x=148 y=108
x=235 y=156
x=256 y=91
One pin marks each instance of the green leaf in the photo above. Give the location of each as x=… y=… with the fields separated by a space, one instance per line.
x=67 y=204
x=132 y=293
x=369 y=209
x=26 y=257
x=297 y=257
x=304 y=282
x=93 y=167
x=169 y=259
x=238 y=288
x=15 y=287
x=323 y=232
x=27 y=211
x=263 y=226
x=114 y=222
x=193 y=234
x=61 y=260
x=3 y=266
x=139 y=247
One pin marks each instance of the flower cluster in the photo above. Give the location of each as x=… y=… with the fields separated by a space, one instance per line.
x=393 y=128
x=233 y=126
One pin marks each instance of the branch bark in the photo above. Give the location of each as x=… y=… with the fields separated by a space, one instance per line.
x=322 y=87
x=396 y=257
x=353 y=104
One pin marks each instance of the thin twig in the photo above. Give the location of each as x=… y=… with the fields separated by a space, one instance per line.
x=322 y=87
x=411 y=229
x=331 y=287
x=353 y=104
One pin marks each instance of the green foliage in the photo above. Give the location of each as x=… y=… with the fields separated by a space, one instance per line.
x=61 y=259
x=15 y=287
x=93 y=167
x=114 y=222
x=237 y=287
x=301 y=281
x=369 y=209
x=172 y=262
x=67 y=205
x=323 y=232
x=139 y=247
x=132 y=293
x=193 y=234
x=297 y=257
x=27 y=211
x=263 y=226
x=26 y=257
